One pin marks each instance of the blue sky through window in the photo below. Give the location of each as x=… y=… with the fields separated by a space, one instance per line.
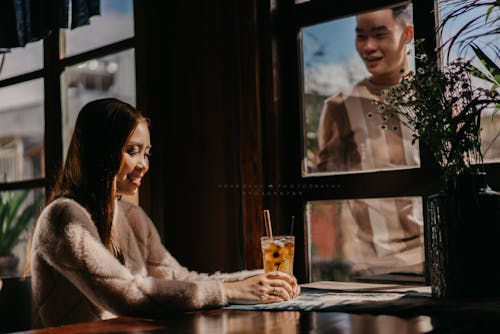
x=117 y=6
x=329 y=42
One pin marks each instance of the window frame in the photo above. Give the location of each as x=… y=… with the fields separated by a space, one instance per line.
x=53 y=67
x=283 y=134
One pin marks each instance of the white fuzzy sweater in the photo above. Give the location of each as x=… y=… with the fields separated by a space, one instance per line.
x=75 y=278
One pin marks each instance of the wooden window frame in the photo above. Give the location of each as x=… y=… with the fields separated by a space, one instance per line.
x=282 y=134
x=53 y=67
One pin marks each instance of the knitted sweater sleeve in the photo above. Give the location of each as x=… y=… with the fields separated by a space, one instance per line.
x=160 y=262
x=67 y=239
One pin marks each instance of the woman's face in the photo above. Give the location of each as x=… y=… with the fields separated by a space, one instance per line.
x=135 y=160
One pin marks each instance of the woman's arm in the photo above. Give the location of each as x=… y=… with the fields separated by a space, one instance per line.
x=68 y=241
x=160 y=263
x=248 y=286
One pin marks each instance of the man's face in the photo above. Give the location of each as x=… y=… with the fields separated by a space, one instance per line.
x=381 y=42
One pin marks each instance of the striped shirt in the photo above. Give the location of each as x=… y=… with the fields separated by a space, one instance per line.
x=380 y=235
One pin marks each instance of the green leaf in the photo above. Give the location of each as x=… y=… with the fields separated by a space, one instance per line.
x=13 y=222
x=480 y=74
x=4 y=209
x=490 y=65
x=16 y=202
x=488 y=13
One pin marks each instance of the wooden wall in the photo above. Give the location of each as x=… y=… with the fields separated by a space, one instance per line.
x=193 y=84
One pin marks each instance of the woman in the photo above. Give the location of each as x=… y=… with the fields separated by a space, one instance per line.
x=95 y=256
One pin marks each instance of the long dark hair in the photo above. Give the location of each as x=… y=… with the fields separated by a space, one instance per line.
x=94 y=158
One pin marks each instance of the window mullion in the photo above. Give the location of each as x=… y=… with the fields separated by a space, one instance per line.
x=53 y=135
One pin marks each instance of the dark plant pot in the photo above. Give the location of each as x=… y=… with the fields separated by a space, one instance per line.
x=464 y=227
x=8 y=266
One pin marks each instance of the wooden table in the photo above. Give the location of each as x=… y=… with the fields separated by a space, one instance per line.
x=412 y=314
x=275 y=322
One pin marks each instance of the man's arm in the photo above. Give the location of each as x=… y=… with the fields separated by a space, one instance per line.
x=337 y=149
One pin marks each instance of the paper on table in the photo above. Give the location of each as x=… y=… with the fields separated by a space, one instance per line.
x=367 y=287
x=330 y=296
x=310 y=301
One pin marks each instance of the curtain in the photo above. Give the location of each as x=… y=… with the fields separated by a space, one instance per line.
x=25 y=21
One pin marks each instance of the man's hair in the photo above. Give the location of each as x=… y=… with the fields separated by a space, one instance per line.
x=403 y=13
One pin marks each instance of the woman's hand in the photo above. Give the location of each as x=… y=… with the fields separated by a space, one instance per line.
x=263 y=288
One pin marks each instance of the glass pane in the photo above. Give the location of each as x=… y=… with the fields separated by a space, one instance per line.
x=478 y=33
x=365 y=238
x=115 y=23
x=21 y=131
x=490 y=137
x=22 y=60
x=346 y=64
x=14 y=239
x=109 y=76
x=478 y=27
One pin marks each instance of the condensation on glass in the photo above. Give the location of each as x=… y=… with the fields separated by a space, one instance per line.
x=21 y=131
x=343 y=130
x=362 y=238
x=22 y=60
x=109 y=76
x=115 y=23
x=490 y=123
x=31 y=201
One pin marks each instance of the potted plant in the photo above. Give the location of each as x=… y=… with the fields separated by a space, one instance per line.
x=443 y=108
x=16 y=214
x=464 y=217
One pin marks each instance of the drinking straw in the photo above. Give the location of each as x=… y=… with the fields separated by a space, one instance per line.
x=291 y=227
x=267 y=222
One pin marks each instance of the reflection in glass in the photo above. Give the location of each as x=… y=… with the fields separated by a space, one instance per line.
x=358 y=238
x=115 y=23
x=490 y=137
x=21 y=131
x=25 y=206
x=346 y=64
x=109 y=76
x=490 y=125
x=22 y=60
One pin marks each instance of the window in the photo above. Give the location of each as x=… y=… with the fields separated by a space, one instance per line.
x=359 y=214
x=476 y=31
x=347 y=62
x=336 y=76
x=44 y=85
x=111 y=75
x=23 y=60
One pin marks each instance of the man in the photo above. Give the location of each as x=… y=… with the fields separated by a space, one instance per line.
x=381 y=235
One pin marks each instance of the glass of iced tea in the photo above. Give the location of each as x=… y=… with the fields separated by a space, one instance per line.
x=277 y=253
